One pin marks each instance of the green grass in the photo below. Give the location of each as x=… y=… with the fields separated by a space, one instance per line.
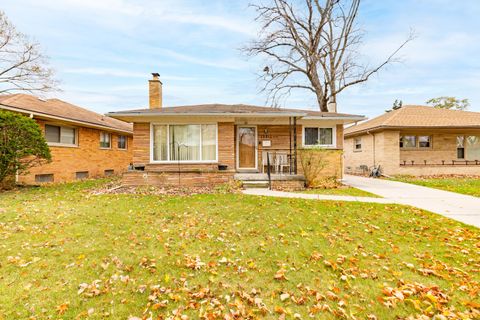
x=210 y=254
x=341 y=191
x=464 y=185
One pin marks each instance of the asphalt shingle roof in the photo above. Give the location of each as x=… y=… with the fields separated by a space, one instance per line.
x=419 y=117
x=61 y=109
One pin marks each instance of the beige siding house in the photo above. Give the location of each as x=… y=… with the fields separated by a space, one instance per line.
x=415 y=140
x=210 y=144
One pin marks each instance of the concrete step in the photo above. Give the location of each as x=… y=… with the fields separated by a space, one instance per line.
x=255 y=184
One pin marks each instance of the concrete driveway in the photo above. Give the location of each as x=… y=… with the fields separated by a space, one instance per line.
x=453 y=205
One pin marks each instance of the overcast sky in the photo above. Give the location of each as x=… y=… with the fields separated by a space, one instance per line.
x=103 y=51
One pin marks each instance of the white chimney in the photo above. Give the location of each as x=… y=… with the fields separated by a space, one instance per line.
x=332 y=107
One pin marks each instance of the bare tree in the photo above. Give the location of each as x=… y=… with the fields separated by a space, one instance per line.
x=312 y=45
x=23 y=68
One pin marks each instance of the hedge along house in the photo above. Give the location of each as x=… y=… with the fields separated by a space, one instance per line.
x=214 y=143
x=416 y=140
x=82 y=143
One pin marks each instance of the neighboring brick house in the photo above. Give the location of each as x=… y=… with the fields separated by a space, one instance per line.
x=82 y=143
x=214 y=143
x=416 y=140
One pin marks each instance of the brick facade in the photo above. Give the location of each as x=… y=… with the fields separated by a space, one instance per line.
x=279 y=136
x=382 y=148
x=86 y=157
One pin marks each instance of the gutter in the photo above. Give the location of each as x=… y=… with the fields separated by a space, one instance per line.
x=203 y=114
x=46 y=115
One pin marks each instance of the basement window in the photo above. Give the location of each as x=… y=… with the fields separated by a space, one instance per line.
x=80 y=175
x=44 y=178
x=109 y=172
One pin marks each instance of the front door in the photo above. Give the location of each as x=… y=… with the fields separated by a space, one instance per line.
x=247 y=147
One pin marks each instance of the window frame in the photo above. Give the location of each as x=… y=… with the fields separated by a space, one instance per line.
x=118 y=141
x=430 y=142
x=100 y=140
x=61 y=144
x=152 y=124
x=408 y=148
x=464 y=140
x=355 y=144
x=333 y=145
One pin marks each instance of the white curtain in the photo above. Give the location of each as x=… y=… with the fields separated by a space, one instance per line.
x=209 y=142
x=185 y=142
x=160 y=143
x=472 y=149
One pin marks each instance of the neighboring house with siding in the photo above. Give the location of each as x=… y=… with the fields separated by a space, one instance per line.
x=214 y=143
x=416 y=140
x=82 y=143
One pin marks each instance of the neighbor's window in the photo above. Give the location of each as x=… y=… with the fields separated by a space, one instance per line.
x=472 y=150
x=60 y=135
x=424 y=141
x=358 y=143
x=408 y=141
x=105 y=140
x=318 y=136
x=461 y=147
x=188 y=142
x=122 y=142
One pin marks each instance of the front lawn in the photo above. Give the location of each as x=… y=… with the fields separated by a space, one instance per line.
x=465 y=185
x=66 y=253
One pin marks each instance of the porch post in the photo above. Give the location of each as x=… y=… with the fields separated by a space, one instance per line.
x=290 y=159
x=295 y=143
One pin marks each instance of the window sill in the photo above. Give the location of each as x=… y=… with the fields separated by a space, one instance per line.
x=105 y=148
x=358 y=150
x=119 y=149
x=329 y=146
x=184 y=162
x=62 y=145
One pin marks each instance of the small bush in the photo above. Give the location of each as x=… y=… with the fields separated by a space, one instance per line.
x=22 y=145
x=317 y=167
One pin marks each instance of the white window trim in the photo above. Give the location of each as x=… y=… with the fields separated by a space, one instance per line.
x=126 y=142
x=59 y=144
x=355 y=144
x=329 y=146
x=168 y=144
x=238 y=147
x=100 y=140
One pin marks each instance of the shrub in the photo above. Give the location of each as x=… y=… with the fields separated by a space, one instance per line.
x=317 y=167
x=22 y=145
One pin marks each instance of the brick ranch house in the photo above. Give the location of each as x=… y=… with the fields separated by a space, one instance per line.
x=417 y=141
x=213 y=143
x=82 y=143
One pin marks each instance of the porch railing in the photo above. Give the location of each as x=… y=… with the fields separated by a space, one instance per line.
x=278 y=161
x=410 y=163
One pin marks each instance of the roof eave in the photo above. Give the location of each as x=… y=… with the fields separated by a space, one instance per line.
x=382 y=128
x=74 y=121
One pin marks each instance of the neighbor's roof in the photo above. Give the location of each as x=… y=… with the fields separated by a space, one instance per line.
x=418 y=117
x=61 y=110
x=232 y=110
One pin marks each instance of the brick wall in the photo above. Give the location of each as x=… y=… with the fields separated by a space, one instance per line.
x=87 y=156
x=226 y=151
x=205 y=178
x=389 y=156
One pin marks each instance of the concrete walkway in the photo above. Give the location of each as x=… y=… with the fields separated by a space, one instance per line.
x=298 y=195
x=450 y=204
x=456 y=206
